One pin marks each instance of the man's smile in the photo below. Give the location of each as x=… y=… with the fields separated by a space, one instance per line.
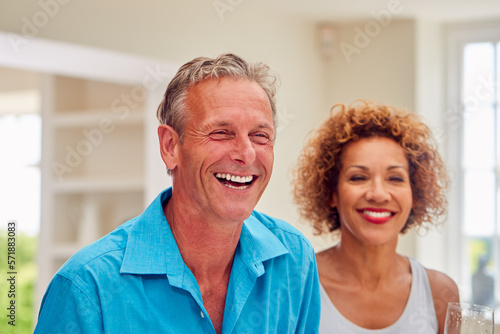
x=235 y=181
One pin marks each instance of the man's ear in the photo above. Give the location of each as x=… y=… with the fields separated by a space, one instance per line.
x=169 y=142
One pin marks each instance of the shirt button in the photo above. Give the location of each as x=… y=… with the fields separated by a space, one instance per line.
x=202 y=315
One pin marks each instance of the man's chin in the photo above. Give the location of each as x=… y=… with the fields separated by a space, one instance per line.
x=236 y=206
x=238 y=214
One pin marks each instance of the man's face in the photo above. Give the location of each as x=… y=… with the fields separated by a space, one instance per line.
x=226 y=156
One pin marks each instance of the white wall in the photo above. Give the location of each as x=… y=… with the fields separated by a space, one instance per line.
x=430 y=97
x=388 y=63
x=380 y=67
x=178 y=31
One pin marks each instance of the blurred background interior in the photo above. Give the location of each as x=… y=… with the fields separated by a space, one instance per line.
x=80 y=82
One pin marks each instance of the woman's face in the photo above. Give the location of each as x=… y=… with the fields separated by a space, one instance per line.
x=374 y=195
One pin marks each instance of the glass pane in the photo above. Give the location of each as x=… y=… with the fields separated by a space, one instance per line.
x=479 y=139
x=31 y=145
x=478 y=81
x=497 y=78
x=25 y=132
x=480 y=192
x=497 y=103
x=478 y=94
x=479 y=203
x=480 y=266
x=20 y=146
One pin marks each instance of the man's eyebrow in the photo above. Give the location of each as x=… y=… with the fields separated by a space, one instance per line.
x=265 y=125
x=221 y=123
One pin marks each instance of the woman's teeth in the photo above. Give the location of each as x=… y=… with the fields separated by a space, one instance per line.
x=373 y=214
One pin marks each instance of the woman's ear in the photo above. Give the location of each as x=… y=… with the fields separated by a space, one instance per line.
x=169 y=142
x=333 y=200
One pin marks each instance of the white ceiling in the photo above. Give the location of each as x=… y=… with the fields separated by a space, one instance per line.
x=349 y=10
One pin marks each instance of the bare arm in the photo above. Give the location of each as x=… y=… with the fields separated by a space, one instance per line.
x=444 y=290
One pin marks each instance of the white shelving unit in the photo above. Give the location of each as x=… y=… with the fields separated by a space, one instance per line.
x=93 y=153
x=82 y=89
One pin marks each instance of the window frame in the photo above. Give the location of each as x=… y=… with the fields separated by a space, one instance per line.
x=457 y=37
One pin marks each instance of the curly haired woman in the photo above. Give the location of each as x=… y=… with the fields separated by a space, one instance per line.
x=369 y=174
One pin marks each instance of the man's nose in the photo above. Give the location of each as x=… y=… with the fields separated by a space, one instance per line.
x=244 y=151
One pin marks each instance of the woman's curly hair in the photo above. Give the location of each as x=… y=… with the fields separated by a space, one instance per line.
x=317 y=171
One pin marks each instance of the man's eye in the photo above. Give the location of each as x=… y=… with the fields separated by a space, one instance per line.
x=219 y=135
x=260 y=138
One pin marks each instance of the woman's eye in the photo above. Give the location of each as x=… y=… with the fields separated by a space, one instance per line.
x=355 y=178
x=396 y=179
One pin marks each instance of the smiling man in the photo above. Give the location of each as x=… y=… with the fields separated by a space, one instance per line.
x=199 y=259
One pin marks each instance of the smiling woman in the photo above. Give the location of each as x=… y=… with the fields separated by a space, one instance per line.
x=373 y=197
x=319 y=165
x=370 y=173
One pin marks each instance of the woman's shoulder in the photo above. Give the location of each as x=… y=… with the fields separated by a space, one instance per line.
x=326 y=260
x=324 y=254
x=439 y=282
x=442 y=285
x=444 y=290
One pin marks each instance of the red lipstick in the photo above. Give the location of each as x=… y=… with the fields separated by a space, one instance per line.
x=376 y=216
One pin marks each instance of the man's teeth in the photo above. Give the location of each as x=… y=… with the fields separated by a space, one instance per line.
x=239 y=188
x=373 y=214
x=234 y=178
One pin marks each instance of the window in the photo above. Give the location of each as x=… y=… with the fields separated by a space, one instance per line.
x=475 y=58
x=20 y=172
x=20 y=152
x=480 y=164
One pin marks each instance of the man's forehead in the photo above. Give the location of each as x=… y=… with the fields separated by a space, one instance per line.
x=210 y=89
x=210 y=95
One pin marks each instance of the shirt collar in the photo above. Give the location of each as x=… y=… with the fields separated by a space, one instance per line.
x=258 y=244
x=151 y=247
x=150 y=240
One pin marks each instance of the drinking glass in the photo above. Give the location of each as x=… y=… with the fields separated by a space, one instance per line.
x=462 y=318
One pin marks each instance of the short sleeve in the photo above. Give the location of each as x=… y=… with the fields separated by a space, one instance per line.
x=66 y=308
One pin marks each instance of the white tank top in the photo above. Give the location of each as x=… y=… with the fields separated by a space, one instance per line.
x=419 y=315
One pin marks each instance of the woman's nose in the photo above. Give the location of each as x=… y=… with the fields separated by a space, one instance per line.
x=378 y=191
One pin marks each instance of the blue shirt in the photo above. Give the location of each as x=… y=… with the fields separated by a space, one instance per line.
x=134 y=281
